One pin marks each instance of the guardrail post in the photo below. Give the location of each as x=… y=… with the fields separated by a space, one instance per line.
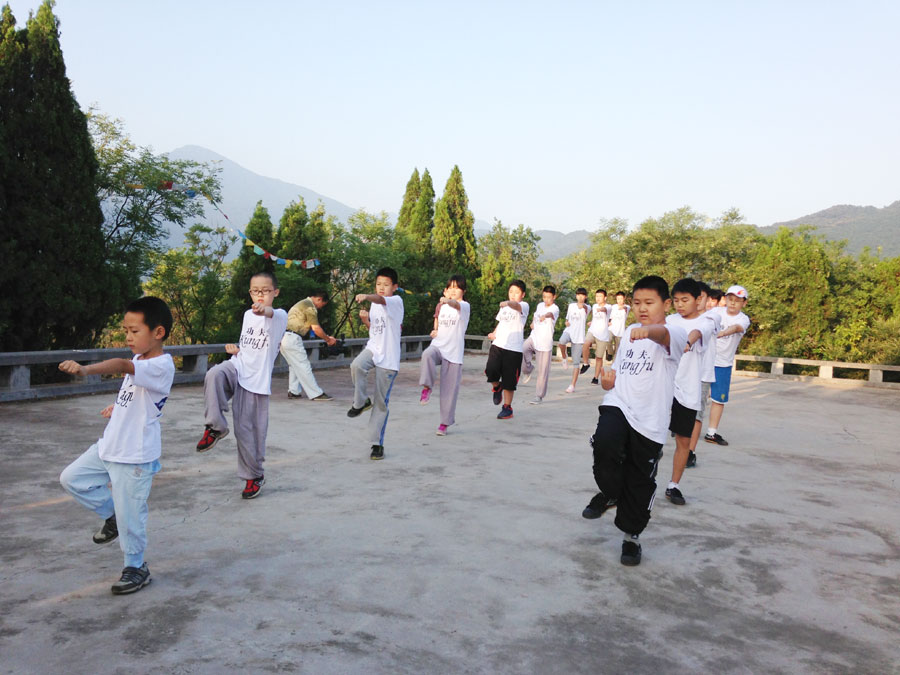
x=777 y=367
x=16 y=378
x=826 y=372
x=876 y=375
x=194 y=363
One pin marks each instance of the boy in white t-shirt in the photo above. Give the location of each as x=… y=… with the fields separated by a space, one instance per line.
x=598 y=335
x=539 y=344
x=576 y=318
x=446 y=348
x=114 y=476
x=505 y=356
x=384 y=321
x=734 y=324
x=709 y=298
x=686 y=402
x=617 y=318
x=635 y=414
x=246 y=380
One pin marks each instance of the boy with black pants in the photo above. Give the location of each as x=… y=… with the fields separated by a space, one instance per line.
x=635 y=414
x=505 y=356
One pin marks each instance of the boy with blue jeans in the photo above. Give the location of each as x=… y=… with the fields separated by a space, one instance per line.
x=113 y=477
x=635 y=415
x=384 y=321
x=246 y=380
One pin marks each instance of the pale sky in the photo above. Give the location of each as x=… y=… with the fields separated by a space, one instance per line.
x=559 y=114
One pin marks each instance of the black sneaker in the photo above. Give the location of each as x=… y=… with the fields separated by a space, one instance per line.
x=692 y=460
x=109 y=532
x=584 y=368
x=356 y=412
x=715 y=438
x=631 y=553
x=594 y=380
x=505 y=413
x=254 y=485
x=674 y=495
x=377 y=452
x=322 y=397
x=598 y=506
x=210 y=438
x=498 y=396
x=133 y=579
x=293 y=395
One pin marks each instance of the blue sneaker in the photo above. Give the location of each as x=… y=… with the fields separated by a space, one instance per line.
x=498 y=396
x=505 y=413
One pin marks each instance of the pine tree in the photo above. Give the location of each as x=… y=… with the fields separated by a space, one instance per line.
x=453 y=236
x=423 y=217
x=49 y=213
x=301 y=236
x=260 y=231
x=413 y=188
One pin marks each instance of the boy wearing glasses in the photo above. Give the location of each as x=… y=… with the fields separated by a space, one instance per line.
x=247 y=378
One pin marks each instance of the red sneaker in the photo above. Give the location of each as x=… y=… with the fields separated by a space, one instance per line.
x=210 y=438
x=254 y=485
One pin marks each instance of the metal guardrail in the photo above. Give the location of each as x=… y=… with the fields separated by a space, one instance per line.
x=15 y=367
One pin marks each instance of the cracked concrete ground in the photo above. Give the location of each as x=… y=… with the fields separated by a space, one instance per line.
x=465 y=553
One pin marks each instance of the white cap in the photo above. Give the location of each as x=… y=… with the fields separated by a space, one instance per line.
x=739 y=291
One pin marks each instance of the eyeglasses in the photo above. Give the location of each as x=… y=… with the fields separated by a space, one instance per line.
x=261 y=291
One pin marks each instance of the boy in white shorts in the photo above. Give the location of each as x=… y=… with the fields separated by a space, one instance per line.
x=598 y=335
x=576 y=317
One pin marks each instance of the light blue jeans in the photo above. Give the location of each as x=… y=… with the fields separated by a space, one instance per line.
x=88 y=480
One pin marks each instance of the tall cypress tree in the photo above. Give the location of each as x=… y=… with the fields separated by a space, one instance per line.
x=423 y=216
x=453 y=236
x=409 y=201
x=260 y=231
x=49 y=213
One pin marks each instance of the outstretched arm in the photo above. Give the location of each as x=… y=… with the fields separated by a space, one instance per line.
x=371 y=297
x=656 y=332
x=108 y=367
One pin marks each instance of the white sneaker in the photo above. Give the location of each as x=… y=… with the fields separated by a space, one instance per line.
x=570 y=389
x=526 y=378
x=535 y=401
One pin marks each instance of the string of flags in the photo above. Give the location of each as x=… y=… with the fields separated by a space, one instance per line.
x=403 y=291
x=308 y=264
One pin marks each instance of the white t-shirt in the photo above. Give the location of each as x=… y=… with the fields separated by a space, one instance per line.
x=258 y=344
x=542 y=331
x=645 y=382
x=385 y=322
x=510 y=332
x=577 y=318
x=690 y=368
x=727 y=346
x=600 y=322
x=617 y=319
x=132 y=435
x=451 y=331
x=709 y=356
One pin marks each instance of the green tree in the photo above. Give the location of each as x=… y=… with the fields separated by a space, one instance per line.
x=132 y=184
x=194 y=279
x=413 y=187
x=261 y=232
x=358 y=250
x=453 y=236
x=303 y=236
x=49 y=213
x=422 y=222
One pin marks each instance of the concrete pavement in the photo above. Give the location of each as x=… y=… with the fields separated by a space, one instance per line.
x=465 y=553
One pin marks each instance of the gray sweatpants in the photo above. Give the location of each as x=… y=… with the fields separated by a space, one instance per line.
x=543 y=366
x=451 y=377
x=250 y=415
x=384 y=381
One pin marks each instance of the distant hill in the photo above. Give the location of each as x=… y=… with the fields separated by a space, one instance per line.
x=861 y=226
x=554 y=245
x=241 y=189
